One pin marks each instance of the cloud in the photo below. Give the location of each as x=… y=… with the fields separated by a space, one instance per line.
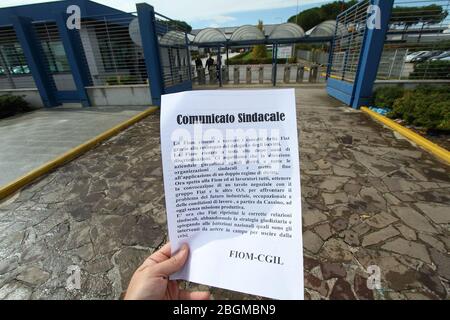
x=216 y=22
x=220 y=19
x=190 y=10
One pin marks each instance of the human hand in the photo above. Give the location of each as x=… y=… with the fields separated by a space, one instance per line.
x=151 y=279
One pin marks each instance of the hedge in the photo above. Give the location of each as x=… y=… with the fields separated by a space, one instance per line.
x=385 y=97
x=10 y=105
x=437 y=70
x=426 y=107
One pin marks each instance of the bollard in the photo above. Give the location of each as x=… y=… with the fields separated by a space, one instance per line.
x=225 y=75
x=212 y=75
x=313 y=73
x=201 y=76
x=287 y=74
x=248 y=75
x=236 y=75
x=300 y=73
x=261 y=74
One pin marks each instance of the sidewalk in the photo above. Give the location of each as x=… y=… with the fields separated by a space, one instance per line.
x=369 y=199
x=29 y=140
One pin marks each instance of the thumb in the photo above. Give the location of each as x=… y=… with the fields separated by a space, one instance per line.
x=174 y=263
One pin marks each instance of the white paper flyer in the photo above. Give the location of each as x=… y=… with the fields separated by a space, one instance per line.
x=232 y=187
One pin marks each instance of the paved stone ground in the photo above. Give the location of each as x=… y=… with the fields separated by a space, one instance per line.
x=31 y=139
x=369 y=198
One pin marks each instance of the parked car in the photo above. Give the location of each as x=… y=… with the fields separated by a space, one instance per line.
x=444 y=54
x=413 y=55
x=426 y=56
x=20 y=70
x=445 y=59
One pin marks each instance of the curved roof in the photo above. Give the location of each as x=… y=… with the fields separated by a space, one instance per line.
x=287 y=30
x=173 y=38
x=210 y=35
x=247 y=32
x=326 y=29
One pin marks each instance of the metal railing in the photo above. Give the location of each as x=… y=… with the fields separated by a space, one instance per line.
x=113 y=49
x=245 y=75
x=347 y=45
x=174 y=51
x=418 y=42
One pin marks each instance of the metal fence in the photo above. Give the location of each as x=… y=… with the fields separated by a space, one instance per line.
x=174 y=51
x=347 y=45
x=315 y=56
x=14 y=70
x=417 y=46
x=263 y=75
x=113 y=49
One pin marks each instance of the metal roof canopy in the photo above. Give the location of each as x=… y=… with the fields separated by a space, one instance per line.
x=175 y=38
x=285 y=33
x=327 y=29
x=209 y=35
x=287 y=30
x=267 y=41
x=247 y=33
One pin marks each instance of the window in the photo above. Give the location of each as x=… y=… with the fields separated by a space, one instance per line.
x=56 y=56
x=12 y=57
x=117 y=50
x=52 y=46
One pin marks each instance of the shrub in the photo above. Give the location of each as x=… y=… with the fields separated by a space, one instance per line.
x=385 y=97
x=431 y=70
x=10 y=105
x=425 y=107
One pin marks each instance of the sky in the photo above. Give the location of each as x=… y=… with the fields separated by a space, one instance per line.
x=210 y=13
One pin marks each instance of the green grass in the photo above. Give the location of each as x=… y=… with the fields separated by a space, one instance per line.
x=249 y=55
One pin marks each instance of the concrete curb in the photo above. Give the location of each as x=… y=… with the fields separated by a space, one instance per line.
x=31 y=176
x=426 y=144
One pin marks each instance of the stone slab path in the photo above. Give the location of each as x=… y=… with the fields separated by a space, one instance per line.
x=369 y=199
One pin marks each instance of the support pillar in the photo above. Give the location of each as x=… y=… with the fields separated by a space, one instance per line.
x=236 y=75
x=150 y=46
x=300 y=73
x=274 y=64
x=32 y=49
x=219 y=66
x=371 y=52
x=76 y=58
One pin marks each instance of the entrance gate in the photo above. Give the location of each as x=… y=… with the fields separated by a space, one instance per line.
x=166 y=53
x=356 y=51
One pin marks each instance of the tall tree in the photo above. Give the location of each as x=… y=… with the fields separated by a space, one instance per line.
x=312 y=17
x=260 y=51
x=183 y=25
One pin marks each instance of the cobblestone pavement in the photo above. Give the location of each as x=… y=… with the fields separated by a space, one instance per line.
x=369 y=198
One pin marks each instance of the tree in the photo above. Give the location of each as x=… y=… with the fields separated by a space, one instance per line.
x=310 y=18
x=260 y=51
x=180 y=25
